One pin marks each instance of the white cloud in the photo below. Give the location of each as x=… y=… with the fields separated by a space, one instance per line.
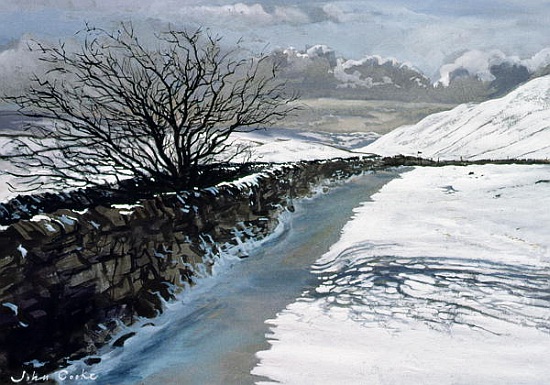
x=412 y=31
x=17 y=64
x=230 y=15
x=540 y=60
x=291 y=15
x=335 y=13
x=235 y=11
x=69 y=5
x=479 y=63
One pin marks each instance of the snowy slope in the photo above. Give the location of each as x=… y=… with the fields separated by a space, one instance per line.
x=288 y=145
x=441 y=279
x=515 y=126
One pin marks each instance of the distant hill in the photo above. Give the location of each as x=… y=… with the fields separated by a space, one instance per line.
x=514 y=126
x=318 y=72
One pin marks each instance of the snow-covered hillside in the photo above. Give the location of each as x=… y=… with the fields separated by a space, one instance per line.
x=285 y=145
x=515 y=126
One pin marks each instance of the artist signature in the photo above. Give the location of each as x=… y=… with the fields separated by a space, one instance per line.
x=62 y=375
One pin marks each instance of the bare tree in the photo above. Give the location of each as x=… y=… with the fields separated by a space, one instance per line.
x=119 y=108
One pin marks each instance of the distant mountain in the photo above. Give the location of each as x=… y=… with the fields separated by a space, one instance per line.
x=514 y=126
x=475 y=76
x=318 y=72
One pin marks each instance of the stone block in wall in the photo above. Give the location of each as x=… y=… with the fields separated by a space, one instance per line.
x=28 y=230
x=137 y=281
x=81 y=277
x=7 y=260
x=123 y=264
x=123 y=289
x=154 y=208
x=172 y=274
x=140 y=259
x=67 y=219
x=119 y=246
x=41 y=278
x=103 y=277
x=69 y=263
x=108 y=219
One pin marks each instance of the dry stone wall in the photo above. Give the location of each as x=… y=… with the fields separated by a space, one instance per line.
x=69 y=278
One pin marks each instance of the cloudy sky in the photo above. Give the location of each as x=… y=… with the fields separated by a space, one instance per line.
x=427 y=34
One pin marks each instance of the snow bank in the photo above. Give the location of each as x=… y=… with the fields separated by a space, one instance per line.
x=442 y=279
x=515 y=126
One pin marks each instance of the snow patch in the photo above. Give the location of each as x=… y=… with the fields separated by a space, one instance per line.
x=22 y=250
x=12 y=307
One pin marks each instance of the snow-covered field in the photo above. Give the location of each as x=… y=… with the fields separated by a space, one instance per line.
x=288 y=145
x=515 y=126
x=442 y=279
